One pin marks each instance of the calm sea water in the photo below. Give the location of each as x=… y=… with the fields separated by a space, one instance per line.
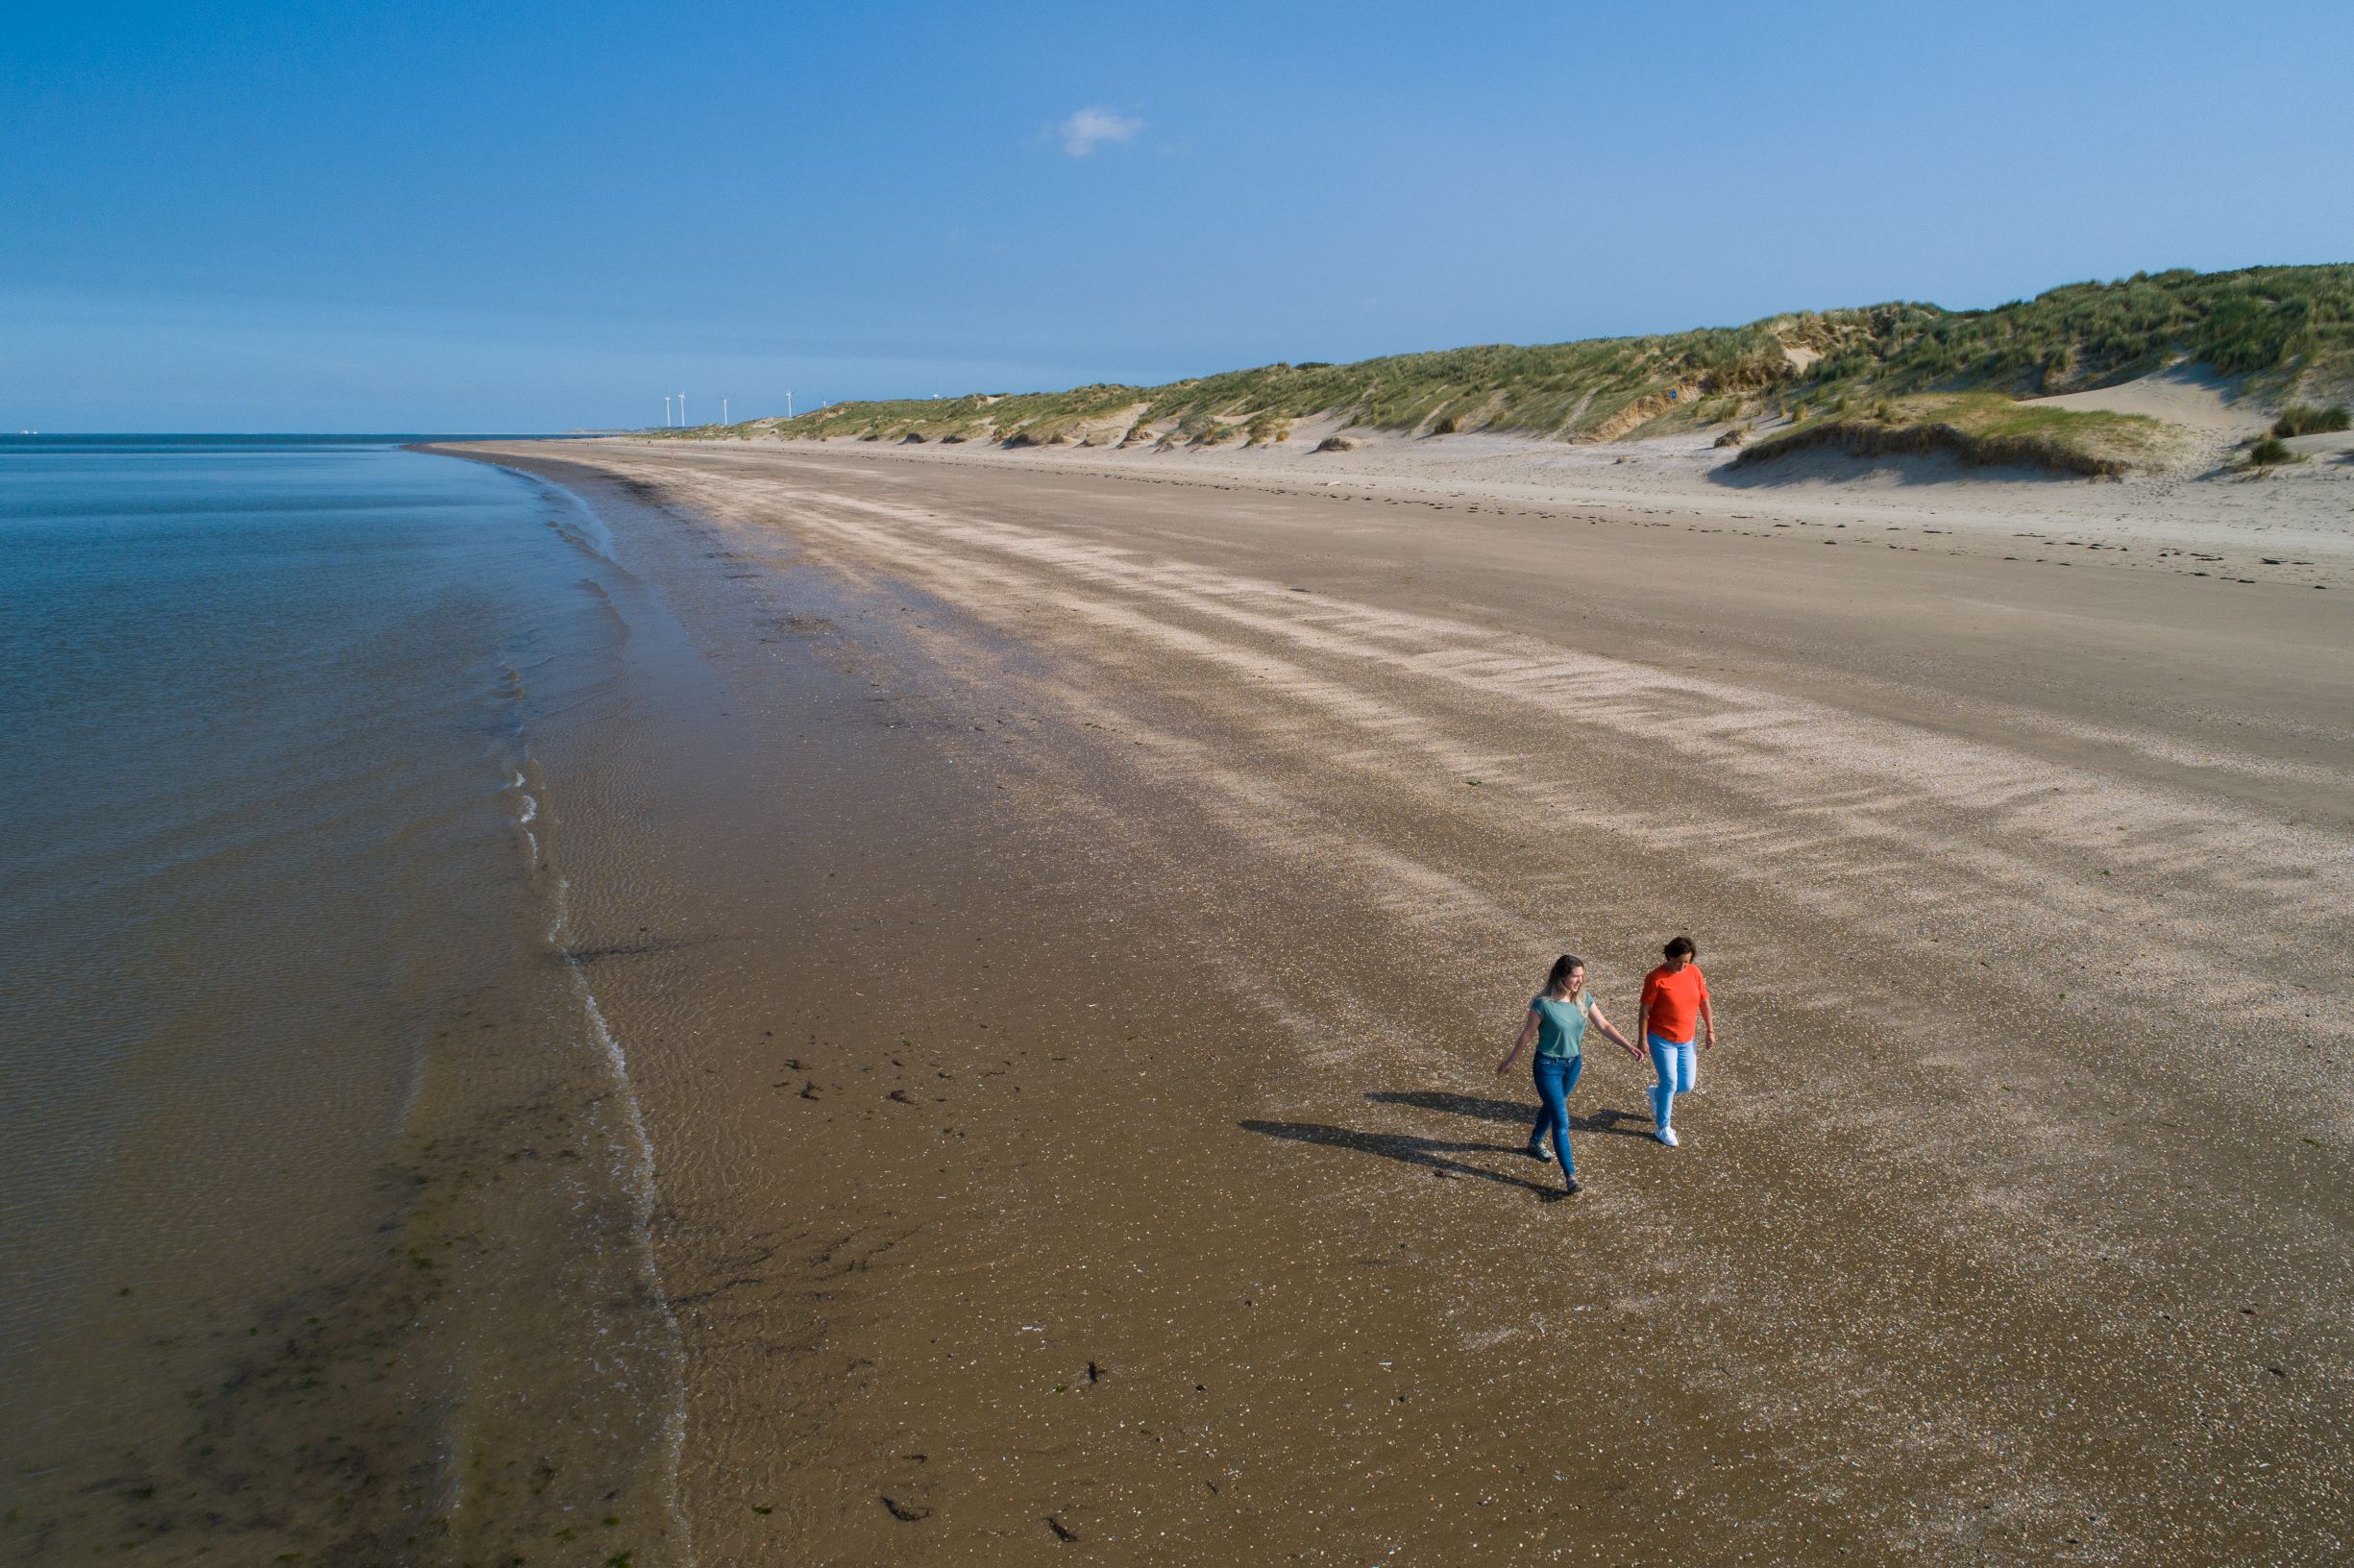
x=320 y=1184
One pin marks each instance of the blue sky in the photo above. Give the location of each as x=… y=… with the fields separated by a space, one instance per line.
x=525 y=216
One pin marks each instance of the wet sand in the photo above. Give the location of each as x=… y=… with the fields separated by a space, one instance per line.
x=1062 y=927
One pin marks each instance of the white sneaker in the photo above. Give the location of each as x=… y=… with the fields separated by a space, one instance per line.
x=1667 y=1136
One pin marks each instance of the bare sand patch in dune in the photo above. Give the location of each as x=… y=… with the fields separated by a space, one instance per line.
x=2193 y=397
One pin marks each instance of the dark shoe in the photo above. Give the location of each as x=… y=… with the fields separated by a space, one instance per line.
x=1575 y=1187
x=1535 y=1153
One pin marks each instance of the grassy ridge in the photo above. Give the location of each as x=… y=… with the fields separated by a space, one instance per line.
x=2284 y=328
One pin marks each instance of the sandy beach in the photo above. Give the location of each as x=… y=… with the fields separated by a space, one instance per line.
x=813 y=787
x=1062 y=910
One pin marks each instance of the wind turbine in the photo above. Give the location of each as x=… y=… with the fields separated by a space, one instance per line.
x=787 y=403
x=723 y=410
x=682 y=410
x=666 y=410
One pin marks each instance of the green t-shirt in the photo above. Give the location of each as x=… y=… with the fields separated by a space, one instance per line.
x=1561 y=1025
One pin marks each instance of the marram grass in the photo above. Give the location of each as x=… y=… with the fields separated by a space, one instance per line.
x=2281 y=331
x=1982 y=429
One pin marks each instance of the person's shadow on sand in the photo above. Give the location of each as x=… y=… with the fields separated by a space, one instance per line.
x=1437 y=1153
x=1431 y=1153
x=1512 y=1112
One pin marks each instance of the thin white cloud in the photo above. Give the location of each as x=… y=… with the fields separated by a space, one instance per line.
x=1091 y=128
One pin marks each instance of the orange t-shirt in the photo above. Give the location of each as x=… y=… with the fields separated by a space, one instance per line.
x=1674 y=1000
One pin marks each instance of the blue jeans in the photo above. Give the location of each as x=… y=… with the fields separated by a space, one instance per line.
x=1676 y=1065
x=1556 y=1077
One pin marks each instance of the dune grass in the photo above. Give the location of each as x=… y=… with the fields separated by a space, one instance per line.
x=2281 y=329
x=2304 y=419
x=1981 y=429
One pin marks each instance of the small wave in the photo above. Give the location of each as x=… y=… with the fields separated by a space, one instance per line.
x=637 y=1175
x=641 y=1181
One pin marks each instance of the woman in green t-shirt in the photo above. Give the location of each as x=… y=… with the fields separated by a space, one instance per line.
x=1557 y=1016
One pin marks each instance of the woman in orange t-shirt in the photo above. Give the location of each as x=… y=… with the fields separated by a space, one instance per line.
x=1675 y=995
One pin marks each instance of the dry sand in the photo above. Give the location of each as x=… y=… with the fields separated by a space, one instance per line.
x=2292 y=524
x=1062 y=917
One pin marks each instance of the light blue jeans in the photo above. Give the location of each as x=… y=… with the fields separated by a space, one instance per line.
x=1556 y=1077
x=1678 y=1066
